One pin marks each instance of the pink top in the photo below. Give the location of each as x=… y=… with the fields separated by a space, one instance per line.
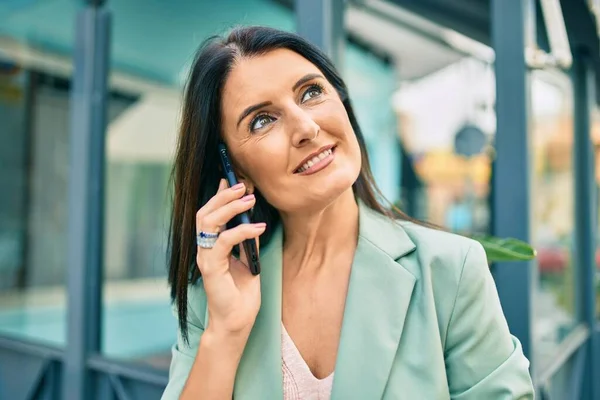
x=298 y=381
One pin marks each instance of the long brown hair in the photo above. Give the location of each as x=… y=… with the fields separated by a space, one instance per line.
x=195 y=173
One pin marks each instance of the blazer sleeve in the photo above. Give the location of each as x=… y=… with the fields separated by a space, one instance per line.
x=483 y=360
x=183 y=355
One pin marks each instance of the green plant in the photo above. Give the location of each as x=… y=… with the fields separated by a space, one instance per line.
x=505 y=249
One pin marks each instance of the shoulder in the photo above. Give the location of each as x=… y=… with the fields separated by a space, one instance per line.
x=454 y=282
x=431 y=254
x=445 y=264
x=437 y=248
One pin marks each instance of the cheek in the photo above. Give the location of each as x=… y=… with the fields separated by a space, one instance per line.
x=331 y=116
x=266 y=161
x=334 y=120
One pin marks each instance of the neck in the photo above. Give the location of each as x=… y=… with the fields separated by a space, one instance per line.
x=314 y=237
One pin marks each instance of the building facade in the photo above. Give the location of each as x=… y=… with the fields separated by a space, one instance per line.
x=480 y=115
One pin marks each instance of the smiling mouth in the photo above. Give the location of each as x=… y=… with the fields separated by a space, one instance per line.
x=316 y=163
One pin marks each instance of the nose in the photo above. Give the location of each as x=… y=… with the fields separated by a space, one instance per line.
x=304 y=128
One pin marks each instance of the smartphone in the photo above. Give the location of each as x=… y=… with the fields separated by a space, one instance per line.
x=243 y=218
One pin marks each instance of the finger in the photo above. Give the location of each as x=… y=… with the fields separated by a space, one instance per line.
x=224 y=245
x=222 y=185
x=224 y=196
x=224 y=214
x=237 y=235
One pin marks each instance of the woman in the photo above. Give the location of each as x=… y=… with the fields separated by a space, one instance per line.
x=353 y=301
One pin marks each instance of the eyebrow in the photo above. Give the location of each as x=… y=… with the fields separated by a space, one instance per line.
x=251 y=109
x=300 y=82
x=306 y=78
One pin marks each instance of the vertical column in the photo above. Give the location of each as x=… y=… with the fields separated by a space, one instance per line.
x=86 y=195
x=322 y=22
x=511 y=27
x=585 y=212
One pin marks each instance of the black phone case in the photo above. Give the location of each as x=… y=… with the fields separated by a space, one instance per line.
x=243 y=218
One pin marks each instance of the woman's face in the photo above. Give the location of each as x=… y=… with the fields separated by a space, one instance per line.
x=288 y=131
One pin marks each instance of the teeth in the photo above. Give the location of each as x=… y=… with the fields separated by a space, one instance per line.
x=314 y=160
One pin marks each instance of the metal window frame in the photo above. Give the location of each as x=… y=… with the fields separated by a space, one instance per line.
x=111 y=378
x=510 y=198
x=89 y=96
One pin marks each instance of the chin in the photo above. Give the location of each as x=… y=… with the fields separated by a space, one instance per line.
x=318 y=198
x=315 y=195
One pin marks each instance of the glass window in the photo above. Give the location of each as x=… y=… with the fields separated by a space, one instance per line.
x=561 y=383
x=33 y=207
x=34 y=110
x=33 y=172
x=552 y=210
x=446 y=122
x=372 y=81
x=136 y=295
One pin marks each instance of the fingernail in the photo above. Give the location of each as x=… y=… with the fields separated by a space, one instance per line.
x=260 y=225
x=248 y=197
x=237 y=186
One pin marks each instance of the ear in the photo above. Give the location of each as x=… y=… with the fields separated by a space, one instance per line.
x=242 y=178
x=249 y=186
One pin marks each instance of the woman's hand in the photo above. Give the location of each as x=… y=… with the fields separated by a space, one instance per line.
x=233 y=293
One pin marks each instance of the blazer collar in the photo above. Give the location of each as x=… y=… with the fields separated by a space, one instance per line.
x=387 y=235
x=378 y=297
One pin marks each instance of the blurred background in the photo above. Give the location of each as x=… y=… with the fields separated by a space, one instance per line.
x=479 y=115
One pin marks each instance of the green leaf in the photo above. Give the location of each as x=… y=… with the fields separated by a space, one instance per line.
x=505 y=249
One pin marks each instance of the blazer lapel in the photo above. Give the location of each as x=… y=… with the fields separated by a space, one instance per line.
x=378 y=297
x=259 y=374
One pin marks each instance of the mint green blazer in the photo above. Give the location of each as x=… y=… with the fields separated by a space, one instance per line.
x=422 y=321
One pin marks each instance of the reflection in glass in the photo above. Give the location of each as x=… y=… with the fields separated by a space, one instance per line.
x=371 y=82
x=33 y=207
x=559 y=386
x=137 y=315
x=552 y=210
x=446 y=122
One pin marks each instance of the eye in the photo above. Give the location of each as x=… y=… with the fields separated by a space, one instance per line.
x=259 y=122
x=314 y=90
